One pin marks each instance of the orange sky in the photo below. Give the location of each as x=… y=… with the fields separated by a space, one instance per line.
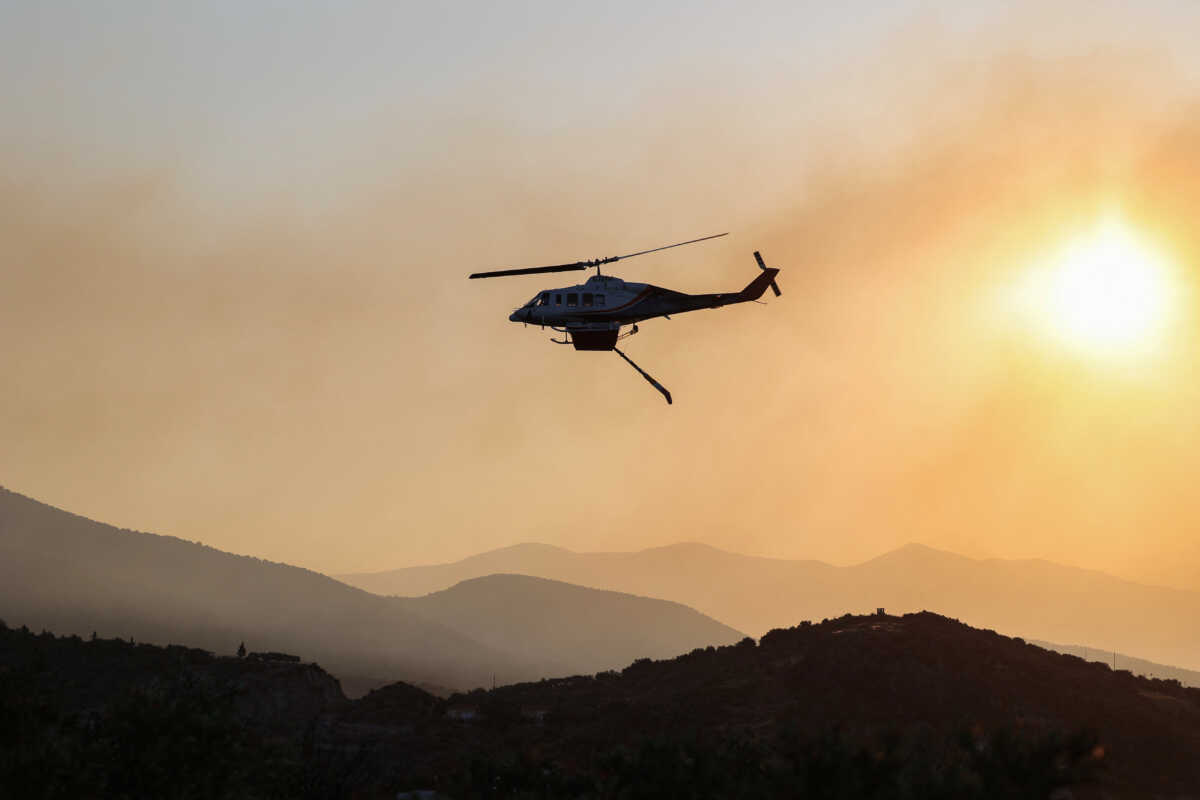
x=303 y=372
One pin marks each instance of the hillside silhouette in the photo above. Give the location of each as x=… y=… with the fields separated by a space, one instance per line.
x=863 y=707
x=568 y=629
x=868 y=706
x=110 y=718
x=1030 y=598
x=62 y=572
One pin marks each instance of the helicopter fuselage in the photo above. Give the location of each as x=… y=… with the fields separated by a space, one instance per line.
x=603 y=299
x=593 y=312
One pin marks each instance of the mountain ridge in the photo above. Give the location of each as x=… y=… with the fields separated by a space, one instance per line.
x=1033 y=598
x=64 y=572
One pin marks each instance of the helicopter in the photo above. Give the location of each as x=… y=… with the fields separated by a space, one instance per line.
x=590 y=315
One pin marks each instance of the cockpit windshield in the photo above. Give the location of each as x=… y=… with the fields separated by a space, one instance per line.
x=540 y=299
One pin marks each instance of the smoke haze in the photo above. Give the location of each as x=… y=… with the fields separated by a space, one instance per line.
x=300 y=371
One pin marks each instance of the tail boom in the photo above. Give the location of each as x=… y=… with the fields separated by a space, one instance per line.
x=753 y=291
x=758 y=286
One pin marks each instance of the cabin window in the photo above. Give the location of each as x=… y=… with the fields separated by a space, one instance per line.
x=545 y=299
x=587 y=299
x=572 y=299
x=558 y=299
x=600 y=300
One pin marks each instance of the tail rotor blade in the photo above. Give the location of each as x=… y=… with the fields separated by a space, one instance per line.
x=646 y=375
x=774 y=286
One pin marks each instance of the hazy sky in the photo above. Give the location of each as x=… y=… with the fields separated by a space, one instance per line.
x=234 y=240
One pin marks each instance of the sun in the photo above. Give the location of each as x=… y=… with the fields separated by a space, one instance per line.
x=1107 y=293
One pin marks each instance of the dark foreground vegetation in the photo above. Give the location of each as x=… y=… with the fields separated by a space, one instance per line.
x=859 y=707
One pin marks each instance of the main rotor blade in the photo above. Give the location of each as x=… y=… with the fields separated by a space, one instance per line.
x=668 y=246
x=532 y=270
x=499 y=273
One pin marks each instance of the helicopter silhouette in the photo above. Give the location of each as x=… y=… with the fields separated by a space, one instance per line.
x=590 y=315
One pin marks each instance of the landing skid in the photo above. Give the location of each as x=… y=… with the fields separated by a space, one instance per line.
x=646 y=375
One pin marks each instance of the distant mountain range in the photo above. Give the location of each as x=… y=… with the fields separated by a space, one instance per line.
x=1121 y=661
x=68 y=574
x=1029 y=598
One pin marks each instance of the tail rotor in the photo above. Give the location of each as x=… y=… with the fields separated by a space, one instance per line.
x=774 y=286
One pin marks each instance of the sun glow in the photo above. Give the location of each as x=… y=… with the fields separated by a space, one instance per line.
x=1106 y=293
